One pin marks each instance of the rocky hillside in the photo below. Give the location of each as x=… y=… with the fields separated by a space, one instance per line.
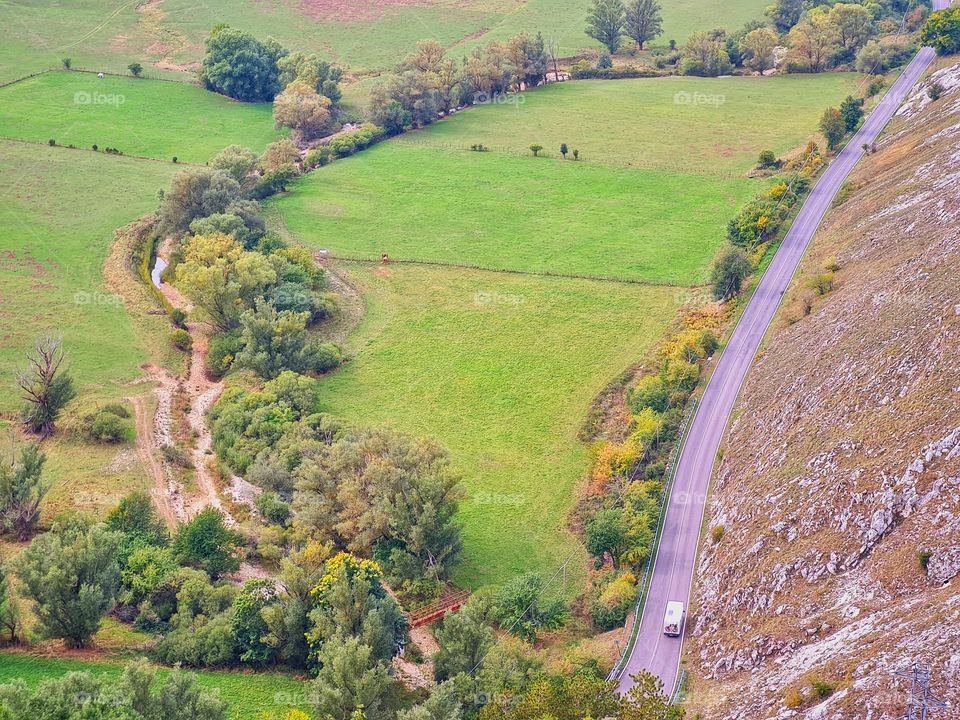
x=839 y=490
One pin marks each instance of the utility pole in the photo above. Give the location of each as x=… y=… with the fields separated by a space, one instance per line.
x=921 y=701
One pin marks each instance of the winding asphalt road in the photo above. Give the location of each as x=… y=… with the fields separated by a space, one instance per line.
x=672 y=576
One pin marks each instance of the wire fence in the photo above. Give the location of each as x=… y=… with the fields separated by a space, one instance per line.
x=511 y=271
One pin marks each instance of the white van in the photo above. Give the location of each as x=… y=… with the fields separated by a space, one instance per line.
x=673 y=620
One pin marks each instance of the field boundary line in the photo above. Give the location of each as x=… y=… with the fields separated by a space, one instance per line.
x=509 y=271
x=26 y=77
x=24 y=141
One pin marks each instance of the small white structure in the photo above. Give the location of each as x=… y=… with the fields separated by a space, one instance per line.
x=673 y=619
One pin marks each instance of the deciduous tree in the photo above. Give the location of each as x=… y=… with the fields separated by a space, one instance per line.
x=853 y=24
x=302 y=109
x=729 y=272
x=240 y=66
x=757 y=47
x=206 y=543
x=46 y=387
x=942 y=31
x=833 y=127
x=643 y=21
x=605 y=23
x=71 y=574
x=350 y=679
x=813 y=41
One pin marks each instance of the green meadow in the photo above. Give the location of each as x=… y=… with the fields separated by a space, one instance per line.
x=710 y=126
x=59 y=209
x=501 y=369
x=362 y=35
x=142 y=117
x=249 y=694
x=501 y=211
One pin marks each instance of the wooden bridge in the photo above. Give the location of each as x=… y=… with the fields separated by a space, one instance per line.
x=448 y=602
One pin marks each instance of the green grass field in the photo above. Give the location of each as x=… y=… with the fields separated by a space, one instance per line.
x=686 y=124
x=140 y=117
x=648 y=200
x=359 y=34
x=496 y=210
x=59 y=209
x=249 y=694
x=501 y=369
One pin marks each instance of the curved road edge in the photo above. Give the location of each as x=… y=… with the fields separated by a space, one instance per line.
x=673 y=570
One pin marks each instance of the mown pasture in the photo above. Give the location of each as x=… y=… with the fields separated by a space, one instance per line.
x=501 y=368
x=138 y=116
x=501 y=211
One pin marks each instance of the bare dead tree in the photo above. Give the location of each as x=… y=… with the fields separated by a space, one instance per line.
x=46 y=389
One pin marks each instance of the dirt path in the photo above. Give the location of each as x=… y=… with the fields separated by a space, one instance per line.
x=166 y=492
x=203 y=393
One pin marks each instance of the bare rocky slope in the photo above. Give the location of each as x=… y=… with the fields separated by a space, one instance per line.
x=839 y=489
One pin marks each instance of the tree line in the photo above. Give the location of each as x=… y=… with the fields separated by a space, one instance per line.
x=817 y=35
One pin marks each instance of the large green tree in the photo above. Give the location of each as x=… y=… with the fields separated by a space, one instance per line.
x=465 y=637
x=729 y=272
x=221 y=278
x=605 y=23
x=71 y=575
x=239 y=65
x=194 y=194
x=351 y=602
x=275 y=341
x=350 y=679
x=643 y=21
x=379 y=487
x=206 y=543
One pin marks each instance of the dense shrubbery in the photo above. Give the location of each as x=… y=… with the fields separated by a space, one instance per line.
x=942 y=31
x=263 y=303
